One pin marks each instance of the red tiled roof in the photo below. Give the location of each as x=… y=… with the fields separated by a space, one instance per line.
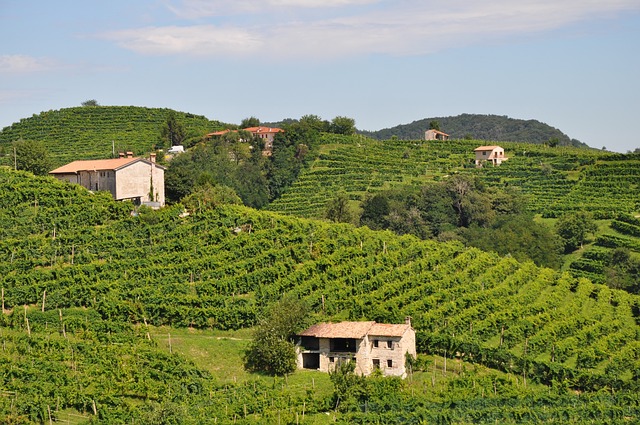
x=385 y=329
x=97 y=165
x=487 y=148
x=439 y=132
x=356 y=330
x=253 y=130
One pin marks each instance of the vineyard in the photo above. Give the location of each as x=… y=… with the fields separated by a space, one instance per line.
x=83 y=280
x=556 y=180
x=92 y=132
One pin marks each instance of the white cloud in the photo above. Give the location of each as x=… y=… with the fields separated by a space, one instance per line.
x=359 y=27
x=20 y=64
x=194 y=9
x=199 y=40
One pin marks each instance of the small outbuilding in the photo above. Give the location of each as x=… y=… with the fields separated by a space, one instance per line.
x=491 y=154
x=371 y=345
x=435 y=135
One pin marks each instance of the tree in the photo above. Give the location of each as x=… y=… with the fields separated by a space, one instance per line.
x=173 y=131
x=574 y=228
x=343 y=125
x=272 y=350
x=374 y=211
x=31 y=155
x=250 y=122
x=90 y=102
x=338 y=208
x=209 y=196
x=434 y=125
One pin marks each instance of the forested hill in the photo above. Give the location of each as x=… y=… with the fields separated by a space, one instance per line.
x=91 y=132
x=480 y=127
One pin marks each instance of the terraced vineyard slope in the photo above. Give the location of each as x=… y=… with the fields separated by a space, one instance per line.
x=79 y=293
x=557 y=179
x=91 y=132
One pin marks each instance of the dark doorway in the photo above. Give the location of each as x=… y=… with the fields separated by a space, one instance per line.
x=311 y=360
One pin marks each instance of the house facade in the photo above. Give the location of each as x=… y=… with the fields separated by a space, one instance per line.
x=435 y=135
x=126 y=177
x=491 y=154
x=371 y=345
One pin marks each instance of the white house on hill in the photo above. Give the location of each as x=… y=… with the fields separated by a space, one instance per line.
x=492 y=154
x=371 y=345
x=127 y=177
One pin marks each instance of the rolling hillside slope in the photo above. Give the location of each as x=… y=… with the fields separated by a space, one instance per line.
x=557 y=179
x=90 y=132
x=80 y=292
x=480 y=127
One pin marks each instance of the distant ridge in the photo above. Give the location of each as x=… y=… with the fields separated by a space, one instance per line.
x=480 y=127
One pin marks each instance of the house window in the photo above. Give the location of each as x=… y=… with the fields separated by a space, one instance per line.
x=389 y=363
x=332 y=359
x=376 y=363
x=484 y=153
x=390 y=345
x=375 y=343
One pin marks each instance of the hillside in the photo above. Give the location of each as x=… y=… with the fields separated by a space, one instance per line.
x=556 y=179
x=91 y=132
x=480 y=127
x=93 y=284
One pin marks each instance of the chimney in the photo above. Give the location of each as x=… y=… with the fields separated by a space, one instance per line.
x=129 y=154
x=407 y=320
x=152 y=157
x=120 y=154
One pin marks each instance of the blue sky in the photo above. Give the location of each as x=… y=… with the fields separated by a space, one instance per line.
x=574 y=64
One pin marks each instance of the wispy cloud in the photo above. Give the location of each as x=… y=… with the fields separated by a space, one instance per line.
x=357 y=27
x=21 y=64
x=194 y=9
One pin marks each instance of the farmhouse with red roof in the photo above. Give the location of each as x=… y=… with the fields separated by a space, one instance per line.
x=371 y=345
x=126 y=177
x=491 y=154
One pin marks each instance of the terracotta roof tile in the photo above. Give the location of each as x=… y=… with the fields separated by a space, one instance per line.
x=487 y=148
x=98 y=165
x=385 y=329
x=356 y=330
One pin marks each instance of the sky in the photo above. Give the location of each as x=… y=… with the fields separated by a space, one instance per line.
x=573 y=64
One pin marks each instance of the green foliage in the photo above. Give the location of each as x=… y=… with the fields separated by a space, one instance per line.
x=271 y=349
x=210 y=197
x=31 y=156
x=574 y=229
x=338 y=209
x=173 y=132
x=350 y=390
x=250 y=122
x=343 y=125
x=90 y=102
x=434 y=125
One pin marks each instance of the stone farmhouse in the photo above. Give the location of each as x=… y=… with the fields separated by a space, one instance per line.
x=435 y=135
x=267 y=134
x=126 y=177
x=492 y=154
x=371 y=345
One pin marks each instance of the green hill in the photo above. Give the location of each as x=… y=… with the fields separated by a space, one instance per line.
x=91 y=132
x=480 y=127
x=91 y=286
x=556 y=179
